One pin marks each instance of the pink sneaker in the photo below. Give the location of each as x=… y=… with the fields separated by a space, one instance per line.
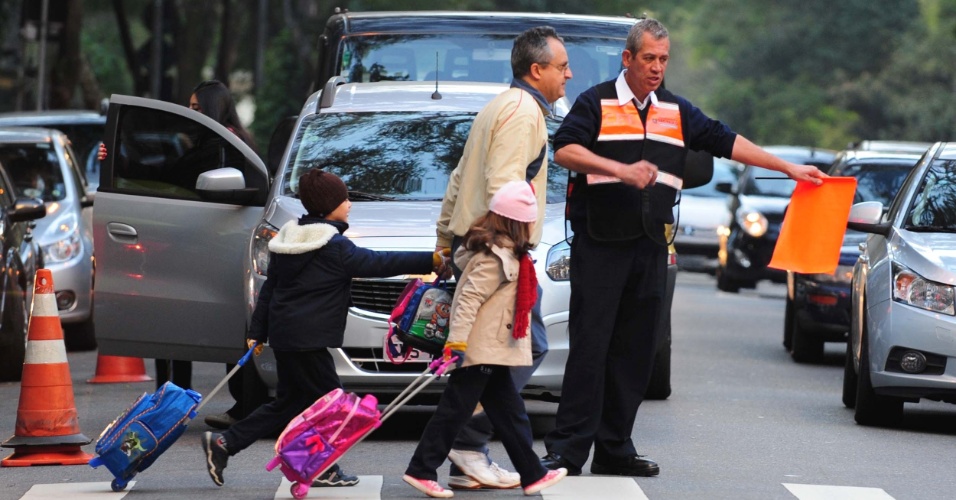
x=549 y=479
x=432 y=488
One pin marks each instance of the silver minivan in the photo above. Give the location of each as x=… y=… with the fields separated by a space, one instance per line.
x=185 y=211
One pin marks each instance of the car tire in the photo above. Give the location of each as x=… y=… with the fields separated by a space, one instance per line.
x=804 y=347
x=788 y=325
x=659 y=387
x=724 y=283
x=871 y=408
x=13 y=338
x=850 y=379
x=80 y=336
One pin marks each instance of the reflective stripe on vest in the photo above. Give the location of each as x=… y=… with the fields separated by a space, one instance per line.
x=623 y=123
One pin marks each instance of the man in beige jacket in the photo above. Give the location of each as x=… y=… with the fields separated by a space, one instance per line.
x=508 y=141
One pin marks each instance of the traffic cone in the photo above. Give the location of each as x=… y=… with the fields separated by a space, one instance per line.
x=116 y=369
x=47 y=430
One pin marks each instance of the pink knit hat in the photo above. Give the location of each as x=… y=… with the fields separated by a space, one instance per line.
x=515 y=200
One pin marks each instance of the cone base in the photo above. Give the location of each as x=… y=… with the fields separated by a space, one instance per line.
x=119 y=369
x=46 y=455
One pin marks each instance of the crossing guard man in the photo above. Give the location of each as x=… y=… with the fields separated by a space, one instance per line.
x=626 y=140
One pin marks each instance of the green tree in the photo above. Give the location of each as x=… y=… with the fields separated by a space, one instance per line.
x=284 y=89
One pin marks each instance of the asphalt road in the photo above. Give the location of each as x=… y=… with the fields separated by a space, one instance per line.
x=743 y=422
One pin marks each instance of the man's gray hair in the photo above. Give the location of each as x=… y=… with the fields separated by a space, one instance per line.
x=531 y=47
x=635 y=37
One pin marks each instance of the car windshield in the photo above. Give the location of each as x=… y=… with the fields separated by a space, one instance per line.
x=34 y=170
x=389 y=156
x=876 y=181
x=468 y=57
x=932 y=207
x=724 y=172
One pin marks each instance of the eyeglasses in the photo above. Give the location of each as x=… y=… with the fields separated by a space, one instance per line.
x=562 y=68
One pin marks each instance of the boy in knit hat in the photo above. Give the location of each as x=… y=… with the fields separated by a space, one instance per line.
x=301 y=312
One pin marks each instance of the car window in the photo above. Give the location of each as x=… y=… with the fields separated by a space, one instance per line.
x=74 y=170
x=932 y=206
x=34 y=170
x=875 y=181
x=162 y=154
x=406 y=156
x=468 y=57
x=723 y=172
x=766 y=183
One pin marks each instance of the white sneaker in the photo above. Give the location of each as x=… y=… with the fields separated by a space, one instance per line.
x=480 y=472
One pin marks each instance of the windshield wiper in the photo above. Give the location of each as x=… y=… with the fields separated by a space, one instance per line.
x=931 y=229
x=361 y=196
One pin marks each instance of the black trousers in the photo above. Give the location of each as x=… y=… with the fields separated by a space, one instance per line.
x=493 y=386
x=616 y=295
x=304 y=376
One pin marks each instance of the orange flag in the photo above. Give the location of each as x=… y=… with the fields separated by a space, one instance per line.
x=813 y=227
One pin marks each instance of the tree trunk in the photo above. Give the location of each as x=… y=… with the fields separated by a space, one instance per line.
x=193 y=42
x=66 y=74
x=140 y=83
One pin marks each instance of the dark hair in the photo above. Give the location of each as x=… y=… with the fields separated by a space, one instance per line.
x=215 y=101
x=494 y=229
x=531 y=47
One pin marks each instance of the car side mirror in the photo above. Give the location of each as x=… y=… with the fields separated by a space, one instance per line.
x=724 y=187
x=866 y=216
x=26 y=209
x=225 y=185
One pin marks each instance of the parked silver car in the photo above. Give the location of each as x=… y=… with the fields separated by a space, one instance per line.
x=42 y=165
x=902 y=342
x=700 y=215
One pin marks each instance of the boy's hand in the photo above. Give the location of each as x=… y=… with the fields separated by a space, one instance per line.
x=259 y=346
x=454 y=350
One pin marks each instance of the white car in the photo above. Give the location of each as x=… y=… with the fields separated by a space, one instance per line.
x=42 y=165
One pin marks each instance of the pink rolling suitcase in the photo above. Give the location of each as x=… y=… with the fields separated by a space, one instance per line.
x=320 y=435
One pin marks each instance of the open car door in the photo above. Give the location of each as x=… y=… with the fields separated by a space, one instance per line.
x=178 y=200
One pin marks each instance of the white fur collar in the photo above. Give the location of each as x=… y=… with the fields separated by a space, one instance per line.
x=296 y=239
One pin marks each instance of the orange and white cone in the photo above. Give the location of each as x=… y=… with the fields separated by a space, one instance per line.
x=47 y=429
x=119 y=369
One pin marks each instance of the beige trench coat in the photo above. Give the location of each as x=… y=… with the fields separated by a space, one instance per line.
x=482 y=312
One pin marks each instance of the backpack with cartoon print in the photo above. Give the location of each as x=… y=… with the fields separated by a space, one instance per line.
x=419 y=320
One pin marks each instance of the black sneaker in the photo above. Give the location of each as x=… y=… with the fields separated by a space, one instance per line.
x=335 y=477
x=216 y=455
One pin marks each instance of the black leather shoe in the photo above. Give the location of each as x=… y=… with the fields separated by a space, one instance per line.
x=635 y=465
x=554 y=461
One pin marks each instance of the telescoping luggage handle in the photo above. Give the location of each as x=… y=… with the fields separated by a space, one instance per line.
x=242 y=361
x=436 y=369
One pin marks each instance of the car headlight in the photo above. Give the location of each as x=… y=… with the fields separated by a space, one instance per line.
x=558 y=265
x=917 y=291
x=260 y=247
x=64 y=249
x=753 y=222
x=843 y=274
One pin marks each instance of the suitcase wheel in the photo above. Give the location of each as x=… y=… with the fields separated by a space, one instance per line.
x=118 y=485
x=300 y=490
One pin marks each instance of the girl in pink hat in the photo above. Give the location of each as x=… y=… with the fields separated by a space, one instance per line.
x=490 y=320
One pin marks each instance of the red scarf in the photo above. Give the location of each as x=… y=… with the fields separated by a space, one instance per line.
x=527 y=295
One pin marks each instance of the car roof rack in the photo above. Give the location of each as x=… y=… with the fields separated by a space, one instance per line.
x=328 y=93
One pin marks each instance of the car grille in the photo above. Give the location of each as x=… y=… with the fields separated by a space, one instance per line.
x=372 y=359
x=380 y=295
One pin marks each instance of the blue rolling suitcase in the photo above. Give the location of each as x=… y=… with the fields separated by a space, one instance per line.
x=133 y=441
x=136 y=438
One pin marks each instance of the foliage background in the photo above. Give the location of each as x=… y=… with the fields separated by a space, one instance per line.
x=814 y=72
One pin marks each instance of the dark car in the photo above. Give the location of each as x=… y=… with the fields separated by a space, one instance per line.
x=461 y=46
x=818 y=305
x=757 y=205
x=84 y=128
x=17 y=273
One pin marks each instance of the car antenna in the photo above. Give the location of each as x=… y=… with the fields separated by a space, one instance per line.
x=436 y=95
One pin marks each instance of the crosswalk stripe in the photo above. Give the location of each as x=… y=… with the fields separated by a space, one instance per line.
x=826 y=492
x=78 y=491
x=594 y=488
x=369 y=487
